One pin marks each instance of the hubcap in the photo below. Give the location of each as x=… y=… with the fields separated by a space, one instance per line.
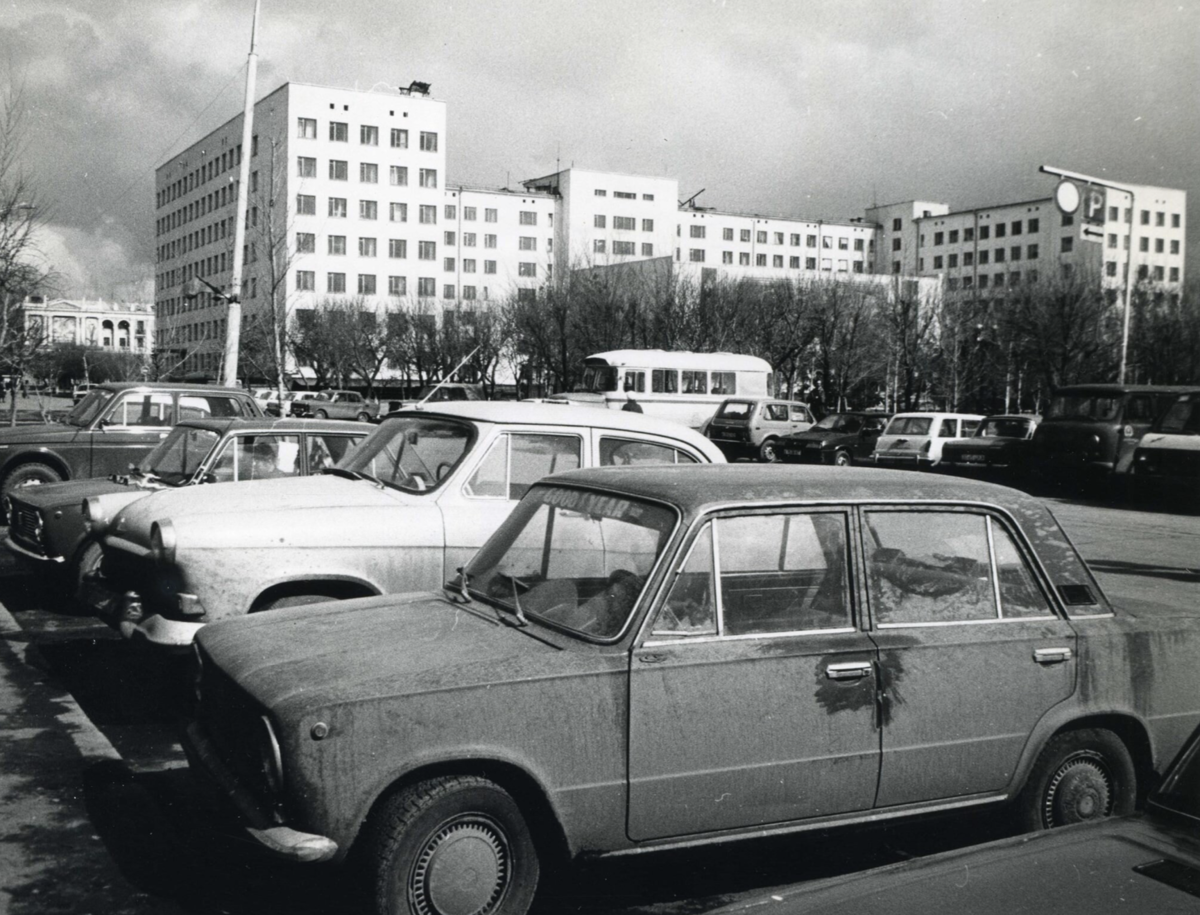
x=1080 y=790
x=464 y=869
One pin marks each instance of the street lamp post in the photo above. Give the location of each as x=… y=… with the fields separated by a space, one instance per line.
x=1063 y=174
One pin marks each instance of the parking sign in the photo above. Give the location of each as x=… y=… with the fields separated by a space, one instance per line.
x=1093 y=205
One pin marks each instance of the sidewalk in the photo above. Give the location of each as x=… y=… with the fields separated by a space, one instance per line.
x=51 y=857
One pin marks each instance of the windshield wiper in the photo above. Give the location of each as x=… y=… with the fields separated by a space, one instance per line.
x=461 y=595
x=515 y=582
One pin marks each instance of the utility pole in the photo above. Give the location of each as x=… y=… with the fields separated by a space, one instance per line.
x=233 y=313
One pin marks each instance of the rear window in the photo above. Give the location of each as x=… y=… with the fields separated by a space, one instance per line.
x=1097 y=407
x=909 y=425
x=1003 y=428
x=1182 y=419
x=736 y=410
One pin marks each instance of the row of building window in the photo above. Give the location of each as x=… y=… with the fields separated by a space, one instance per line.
x=622 y=248
x=950 y=261
x=215 y=166
x=810 y=241
x=621 y=223
x=697 y=256
x=368 y=135
x=306 y=243
x=367 y=284
x=368 y=172
x=985 y=232
x=621 y=195
x=996 y=280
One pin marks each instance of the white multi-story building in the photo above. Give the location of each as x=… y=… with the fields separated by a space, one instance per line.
x=349 y=197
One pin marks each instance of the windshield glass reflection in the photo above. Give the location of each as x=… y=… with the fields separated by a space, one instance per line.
x=412 y=453
x=89 y=408
x=179 y=456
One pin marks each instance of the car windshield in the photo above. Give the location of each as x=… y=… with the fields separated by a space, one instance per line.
x=597 y=379
x=735 y=409
x=1180 y=791
x=180 y=454
x=1099 y=407
x=1183 y=418
x=572 y=558
x=413 y=453
x=1003 y=428
x=909 y=425
x=90 y=407
x=839 y=422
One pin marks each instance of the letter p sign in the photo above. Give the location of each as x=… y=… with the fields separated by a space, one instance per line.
x=1094 y=201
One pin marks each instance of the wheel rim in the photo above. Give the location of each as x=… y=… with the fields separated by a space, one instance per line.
x=768 y=452
x=841 y=459
x=464 y=869
x=1081 y=789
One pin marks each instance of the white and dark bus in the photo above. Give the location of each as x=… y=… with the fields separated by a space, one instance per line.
x=684 y=387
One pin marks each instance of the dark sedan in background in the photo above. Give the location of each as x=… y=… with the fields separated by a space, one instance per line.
x=1000 y=444
x=840 y=438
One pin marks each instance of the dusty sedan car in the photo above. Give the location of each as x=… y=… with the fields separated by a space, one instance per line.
x=413 y=502
x=917 y=439
x=336 y=405
x=1141 y=864
x=840 y=438
x=660 y=657
x=114 y=425
x=46 y=524
x=1001 y=443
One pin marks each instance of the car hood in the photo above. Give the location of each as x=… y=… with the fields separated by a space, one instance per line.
x=1076 y=869
x=397 y=644
x=1160 y=441
x=39 y=434
x=256 y=498
x=71 y=492
x=824 y=436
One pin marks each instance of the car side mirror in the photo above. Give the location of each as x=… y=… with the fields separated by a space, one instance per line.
x=209 y=477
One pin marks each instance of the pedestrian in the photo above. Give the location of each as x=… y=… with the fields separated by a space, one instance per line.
x=631 y=405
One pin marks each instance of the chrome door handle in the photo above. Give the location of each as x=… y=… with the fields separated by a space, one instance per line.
x=854 y=670
x=1051 y=655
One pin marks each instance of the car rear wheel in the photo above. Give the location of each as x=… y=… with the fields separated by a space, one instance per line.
x=842 y=459
x=455 y=845
x=363 y=417
x=768 y=451
x=321 y=414
x=32 y=474
x=1078 y=777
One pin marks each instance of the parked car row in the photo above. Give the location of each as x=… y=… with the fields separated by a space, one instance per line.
x=540 y=631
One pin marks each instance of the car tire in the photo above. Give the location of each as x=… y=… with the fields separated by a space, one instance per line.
x=363 y=417
x=292 y=600
x=1079 y=776
x=842 y=459
x=34 y=473
x=768 y=451
x=451 y=844
x=320 y=414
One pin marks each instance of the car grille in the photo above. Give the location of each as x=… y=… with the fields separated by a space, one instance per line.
x=1166 y=462
x=26 y=524
x=232 y=719
x=157 y=586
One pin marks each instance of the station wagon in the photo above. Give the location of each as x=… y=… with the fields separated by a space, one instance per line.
x=659 y=657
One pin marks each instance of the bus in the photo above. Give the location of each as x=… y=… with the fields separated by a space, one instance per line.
x=684 y=387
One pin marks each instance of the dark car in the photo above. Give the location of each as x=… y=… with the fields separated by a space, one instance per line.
x=1167 y=460
x=1001 y=443
x=46 y=524
x=115 y=425
x=840 y=438
x=1148 y=863
x=1091 y=431
x=655 y=657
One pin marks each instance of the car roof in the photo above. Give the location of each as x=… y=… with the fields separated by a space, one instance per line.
x=170 y=386
x=561 y=414
x=698 y=487
x=269 y=424
x=920 y=413
x=1032 y=416
x=1126 y=388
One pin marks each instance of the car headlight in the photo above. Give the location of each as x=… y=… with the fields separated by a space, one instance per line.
x=162 y=542
x=270 y=759
x=7 y=511
x=93 y=514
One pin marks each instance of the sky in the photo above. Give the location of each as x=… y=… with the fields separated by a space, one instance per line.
x=808 y=108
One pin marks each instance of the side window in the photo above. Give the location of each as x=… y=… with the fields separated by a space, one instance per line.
x=1020 y=597
x=968 y=427
x=724 y=383
x=622 y=452
x=258 y=457
x=664 y=381
x=326 y=450
x=1140 y=409
x=948 y=429
x=783 y=573
x=929 y=567
x=138 y=408
x=691 y=604
x=518 y=460
x=776 y=412
x=635 y=381
x=202 y=406
x=800 y=415
x=695 y=382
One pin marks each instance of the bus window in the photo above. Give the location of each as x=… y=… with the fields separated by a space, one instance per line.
x=664 y=381
x=635 y=381
x=724 y=383
x=599 y=378
x=695 y=382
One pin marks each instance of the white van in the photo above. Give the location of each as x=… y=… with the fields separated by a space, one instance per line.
x=684 y=387
x=916 y=439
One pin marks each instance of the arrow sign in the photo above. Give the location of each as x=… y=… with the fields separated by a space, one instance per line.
x=1088 y=233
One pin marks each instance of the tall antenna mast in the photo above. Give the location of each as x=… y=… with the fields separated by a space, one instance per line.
x=233 y=314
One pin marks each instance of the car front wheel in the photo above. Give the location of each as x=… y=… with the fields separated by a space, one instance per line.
x=768 y=451
x=842 y=459
x=1079 y=776
x=455 y=845
x=321 y=414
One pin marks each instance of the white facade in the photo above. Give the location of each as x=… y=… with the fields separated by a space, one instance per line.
x=121 y=326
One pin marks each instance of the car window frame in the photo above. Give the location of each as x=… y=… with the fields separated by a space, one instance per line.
x=585 y=457
x=621 y=435
x=996 y=514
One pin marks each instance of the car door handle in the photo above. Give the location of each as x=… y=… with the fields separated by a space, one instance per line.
x=1051 y=655
x=652 y=658
x=854 y=670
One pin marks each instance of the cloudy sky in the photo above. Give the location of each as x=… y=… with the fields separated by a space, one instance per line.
x=782 y=107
